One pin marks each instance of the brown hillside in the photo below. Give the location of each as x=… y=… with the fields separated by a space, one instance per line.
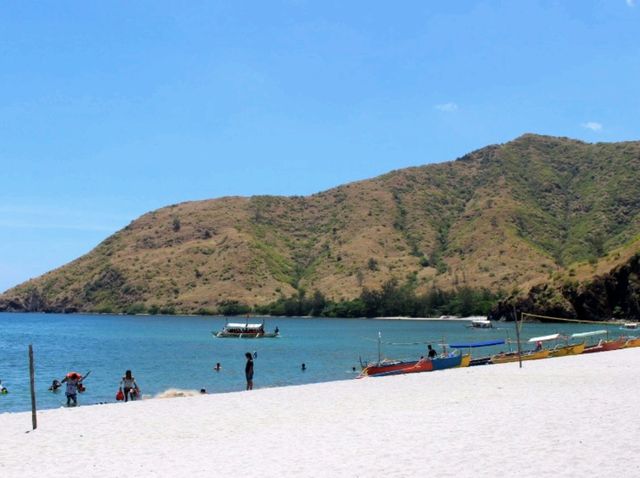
x=504 y=217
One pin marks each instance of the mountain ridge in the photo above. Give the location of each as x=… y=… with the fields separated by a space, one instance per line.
x=503 y=217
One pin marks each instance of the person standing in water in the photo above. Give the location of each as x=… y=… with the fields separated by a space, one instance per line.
x=72 y=380
x=129 y=386
x=248 y=370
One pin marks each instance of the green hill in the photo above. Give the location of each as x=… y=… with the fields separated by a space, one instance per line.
x=506 y=217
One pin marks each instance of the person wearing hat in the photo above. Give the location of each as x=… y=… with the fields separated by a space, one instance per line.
x=73 y=379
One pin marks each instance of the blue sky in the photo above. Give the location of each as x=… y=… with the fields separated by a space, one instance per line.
x=111 y=109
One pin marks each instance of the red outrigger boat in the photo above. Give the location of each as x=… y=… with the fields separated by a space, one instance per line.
x=602 y=345
x=605 y=346
x=397 y=367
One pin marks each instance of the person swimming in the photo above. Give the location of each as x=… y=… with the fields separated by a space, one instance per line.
x=3 y=389
x=55 y=385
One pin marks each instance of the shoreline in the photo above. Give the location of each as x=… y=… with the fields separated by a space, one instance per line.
x=480 y=421
x=232 y=317
x=430 y=319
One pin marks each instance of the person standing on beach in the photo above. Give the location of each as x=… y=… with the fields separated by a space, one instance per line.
x=248 y=370
x=129 y=386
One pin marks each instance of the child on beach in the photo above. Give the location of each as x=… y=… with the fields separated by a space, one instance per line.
x=129 y=386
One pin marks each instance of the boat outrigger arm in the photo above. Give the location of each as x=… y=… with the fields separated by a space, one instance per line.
x=473 y=345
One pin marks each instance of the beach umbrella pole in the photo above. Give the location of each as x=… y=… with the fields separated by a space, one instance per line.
x=32 y=381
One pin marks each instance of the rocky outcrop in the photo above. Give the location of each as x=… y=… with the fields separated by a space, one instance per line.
x=615 y=295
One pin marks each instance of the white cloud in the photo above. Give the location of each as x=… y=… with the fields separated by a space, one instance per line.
x=447 y=107
x=631 y=3
x=592 y=125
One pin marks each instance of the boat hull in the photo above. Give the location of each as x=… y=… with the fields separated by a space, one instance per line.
x=574 y=349
x=513 y=356
x=480 y=361
x=397 y=368
x=466 y=360
x=246 y=335
x=442 y=363
x=605 y=346
x=635 y=342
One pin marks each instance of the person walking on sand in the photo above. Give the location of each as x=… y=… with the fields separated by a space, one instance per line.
x=73 y=379
x=129 y=386
x=248 y=370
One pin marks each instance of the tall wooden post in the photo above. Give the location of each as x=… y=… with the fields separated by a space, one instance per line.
x=32 y=380
x=515 y=316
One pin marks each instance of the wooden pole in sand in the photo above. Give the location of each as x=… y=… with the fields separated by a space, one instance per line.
x=515 y=316
x=32 y=380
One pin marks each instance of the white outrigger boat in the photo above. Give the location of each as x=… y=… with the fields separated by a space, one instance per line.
x=245 y=331
x=481 y=324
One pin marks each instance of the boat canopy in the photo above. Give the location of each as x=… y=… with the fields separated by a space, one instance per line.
x=480 y=321
x=244 y=326
x=544 y=338
x=588 y=334
x=476 y=344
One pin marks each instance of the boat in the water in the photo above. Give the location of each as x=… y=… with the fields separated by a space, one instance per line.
x=630 y=326
x=467 y=359
x=245 y=331
x=481 y=324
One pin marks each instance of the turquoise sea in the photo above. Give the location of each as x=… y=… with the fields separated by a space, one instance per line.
x=179 y=352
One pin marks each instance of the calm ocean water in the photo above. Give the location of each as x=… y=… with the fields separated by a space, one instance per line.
x=180 y=352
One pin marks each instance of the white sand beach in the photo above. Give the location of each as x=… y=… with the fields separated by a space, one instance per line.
x=570 y=416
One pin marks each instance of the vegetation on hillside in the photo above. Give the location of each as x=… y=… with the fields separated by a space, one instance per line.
x=504 y=218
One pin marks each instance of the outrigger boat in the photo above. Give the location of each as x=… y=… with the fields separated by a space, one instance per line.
x=450 y=360
x=396 y=367
x=245 y=331
x=559 y=350
x=467 y=360
x=513 y=356
x=602 y=345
